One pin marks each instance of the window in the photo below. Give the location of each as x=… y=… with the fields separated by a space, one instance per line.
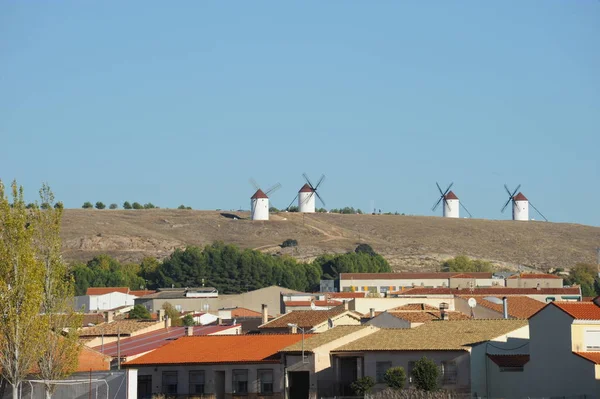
x=592 y=340
x=380 y=369
x=383 y=289
x=240 y=382
x=265 y=381
x=511 y=368
x=178 y=308
x=448 y=372
x=169 y=382
x=144 y=386
x=196 y=381
x=409 y=376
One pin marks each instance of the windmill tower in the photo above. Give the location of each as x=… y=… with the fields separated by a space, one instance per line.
x=259 y=202
x=451 y=203
x=306 y=195
x=520 y=205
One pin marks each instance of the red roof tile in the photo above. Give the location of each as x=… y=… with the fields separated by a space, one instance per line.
x=306 y=189
x=243 y=312
x=593 y=357
x=451 y=196
x=415 y=307
x=424 y=317
x=259 y=194
x=490 y=291
x=215 y=349
x=141 y=292
x=520 y=197
x=534 y=276
x=346 y=295
x=106 y=290
x=317 y=303
x=509 y=360
x=305 y=318
x=407 y=276
x=462 y=275
x=519 y=307
x=579 y=310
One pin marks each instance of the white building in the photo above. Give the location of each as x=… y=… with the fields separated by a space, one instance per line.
x=259 y=206
x=306 y=199
x=451 y=205
x=520 y=207
x=103 y=301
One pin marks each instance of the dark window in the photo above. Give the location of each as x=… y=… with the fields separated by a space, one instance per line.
x=240 y=382
x=196 y=381
x=449 y=372
x=265 y=381
x=144 y=386
x=513 y=368
x=169 y=382
x=409 y=376
x=380 y=369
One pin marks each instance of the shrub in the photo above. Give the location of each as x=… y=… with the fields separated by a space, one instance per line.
x=59 y=205
x=363 y=385
x=87 y=205
x=181 y=207
x=366 y=249
x=137 y=205
x=100 y=205
x=149 y=205
x=395 y=378
x=139 y=312
x=188 y=320
x=425 y=374
x=289 y=243
x=293 y=209
x=126 y=205
x=113 y=206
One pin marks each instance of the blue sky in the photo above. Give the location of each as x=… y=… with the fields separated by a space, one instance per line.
x=171 y=104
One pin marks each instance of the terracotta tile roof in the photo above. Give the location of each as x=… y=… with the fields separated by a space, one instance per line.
x=331 y=303
x=425 y=317
x=414 y=306
x=140 y=293
x=534 y=276
x=306 y=189
x=90 y=359
x=520 y=197
x=437 y=335
x=259 y=194
x=451 y=196
x=324 y=338
x=92 y=318
x=520 y=307
x=106 y=290
x=490 y=291
x=124 y=327
x=407 y=276
x=462 y=275
x=593 y=357
x=347 y=295
x=215 y=349
x=306 y=318
x=245 y=313
x=587 y=298
x=509 y=360
x=579 y=310
x=155 y=339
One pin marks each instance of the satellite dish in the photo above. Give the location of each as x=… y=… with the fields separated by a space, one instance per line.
x=472 y=302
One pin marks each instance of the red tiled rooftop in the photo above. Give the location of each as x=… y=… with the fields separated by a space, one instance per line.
x=509 y=360
x=347 y=295
x=519 y=307
x=407 y=275
x=217 y=349
x=259 y=194
x=317 y=303
x=139 y=293
x=593 y=357
x=579 y=310
x=462 y=275
x=534 y=276
x=520 y=197
x=424 y=317
x=306 y=189
x=490 y=291
x=451 y=196
x=155 y=339
x=305 y=318
x=106 y=290
x=243 y=312
x=415 y=307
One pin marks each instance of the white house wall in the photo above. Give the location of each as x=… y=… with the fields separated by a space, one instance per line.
x=111 y=300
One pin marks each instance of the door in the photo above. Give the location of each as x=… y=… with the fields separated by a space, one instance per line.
x=348 y=374
x=299 y=384
x=220 y=384
x=144 y=386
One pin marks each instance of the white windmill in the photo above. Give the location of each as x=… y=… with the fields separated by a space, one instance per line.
x=520 y=205
x=451 y=203
x=306 y=195
x=259 y=202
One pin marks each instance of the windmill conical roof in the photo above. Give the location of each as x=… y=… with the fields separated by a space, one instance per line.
x=520 y=197
x=306 y=189
x=450 y=195
x=259 y=194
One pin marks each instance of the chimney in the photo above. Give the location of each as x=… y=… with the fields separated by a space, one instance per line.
x=372 y=312
x=161 y=314
x=294 y=329
x=265 y=314
x=189 y=331
x=109 y=316
x=167 y=322
x=538 y=287
x=345 y=305
x=443 y=314
x=505 y=307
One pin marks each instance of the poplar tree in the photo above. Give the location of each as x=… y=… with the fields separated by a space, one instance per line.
x=22 y=332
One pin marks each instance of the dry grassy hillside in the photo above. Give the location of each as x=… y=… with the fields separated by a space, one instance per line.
x=408 y=242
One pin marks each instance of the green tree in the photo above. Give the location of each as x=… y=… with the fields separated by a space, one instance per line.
x=188 y=320
x=321 y=210
x=139 y=312
x=289 y=243
x=585 y=275
x=87 y=205
x=366 y=249
x=181 y=207
x=59 y=205
x=395 y=378
x=173 y=314
x=100 y=205
x=126 y=205
x=363 y=385
x=273 y=209
x=149 y=205
x=137 y=205
x=293 y=208
x=425 y=374
x=113 y=206
x=22 y=330
x=464 y=264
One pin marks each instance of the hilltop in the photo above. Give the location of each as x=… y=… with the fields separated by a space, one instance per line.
x=407 y=242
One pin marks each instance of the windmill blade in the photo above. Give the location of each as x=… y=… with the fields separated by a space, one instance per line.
x=447 y=204
x=438 y=202
x=308 y=180
x=273 y=189
x=440 y=189
x=516 y=189
x=538 y=211
x=507 y=190
x=294 y=200
x=448 y=189
x=505 y=205
x=308 y=198
x=466 y=210
x=320 y=199
x=321 y=180
x=254 y=183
